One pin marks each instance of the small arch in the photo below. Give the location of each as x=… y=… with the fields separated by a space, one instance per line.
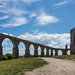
x=53 y=52
x=68 y=52
x=22 y=48
x=31 y=49
x=39 y=51
x=59 y=52
x=7 y=46
x=49 y=52
x=44 y=51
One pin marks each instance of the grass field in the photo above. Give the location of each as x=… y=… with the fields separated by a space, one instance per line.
x=68 y=57
x=20 y=66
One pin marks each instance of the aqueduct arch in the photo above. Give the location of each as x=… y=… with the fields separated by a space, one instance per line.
x=27 y=44
x=31 y=48
x=21 y=47
x=60 y=52
x=7 y=47
x=39 y=51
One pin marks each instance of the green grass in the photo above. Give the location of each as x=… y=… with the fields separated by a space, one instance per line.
x=68 y=57
x=20 y=66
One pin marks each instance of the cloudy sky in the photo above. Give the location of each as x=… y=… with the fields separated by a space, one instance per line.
x=46 y=22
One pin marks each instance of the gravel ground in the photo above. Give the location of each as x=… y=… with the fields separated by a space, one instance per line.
x=55 y=67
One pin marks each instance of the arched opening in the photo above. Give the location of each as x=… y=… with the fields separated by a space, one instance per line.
x=39 y=51
x=31 y=49
x=53 y=52
x=59 y=52
x=68 y=52
x=44 y=51
x=21 y=47
x=49 y=52
x=7 y=46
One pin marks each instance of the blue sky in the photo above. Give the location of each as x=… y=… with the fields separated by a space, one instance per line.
x=18 y=17
x=51 y=20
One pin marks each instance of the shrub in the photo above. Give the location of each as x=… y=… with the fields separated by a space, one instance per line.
x=9 y=56
x=32 y=56
x=5 y=57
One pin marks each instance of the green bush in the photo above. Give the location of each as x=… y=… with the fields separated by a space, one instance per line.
x=9 y=56
x=32 y=56
x=5 y=57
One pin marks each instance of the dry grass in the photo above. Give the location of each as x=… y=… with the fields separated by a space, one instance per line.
x=68 y=57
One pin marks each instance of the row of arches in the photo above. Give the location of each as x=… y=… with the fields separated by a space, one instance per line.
x=61 y=53
x=8 y=48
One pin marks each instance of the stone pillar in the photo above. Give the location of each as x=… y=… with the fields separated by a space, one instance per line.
x=65 y=50
x=51 y=52
x=35 y=50
x=42 y=51
x=47 y=52
x=1 y=53
x=27 y=51
x=70 y=50
x=62 y=52
x=56 y=52
x=15 y=52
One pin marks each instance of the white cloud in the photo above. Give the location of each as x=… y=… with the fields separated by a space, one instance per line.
x=52 y=40
x=29 y=1
x=13 y=13
x=32 y=15
x=44 y=19
x=2 y=4
x=3 y=11
x=36 y=31
x=15 y=22
x=7 y=50
x=62 y=3
x=5 y=33
x=6 y=42
x=10 y=34
x=17 y=12
x=4 y=17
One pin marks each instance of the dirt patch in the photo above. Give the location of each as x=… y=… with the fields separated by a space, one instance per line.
x=55 y=67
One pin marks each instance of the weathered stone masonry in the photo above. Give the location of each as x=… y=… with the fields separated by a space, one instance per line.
x=72 y=41
x=15 y=41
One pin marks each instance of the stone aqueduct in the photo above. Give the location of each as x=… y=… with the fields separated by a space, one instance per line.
x=16 y=41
